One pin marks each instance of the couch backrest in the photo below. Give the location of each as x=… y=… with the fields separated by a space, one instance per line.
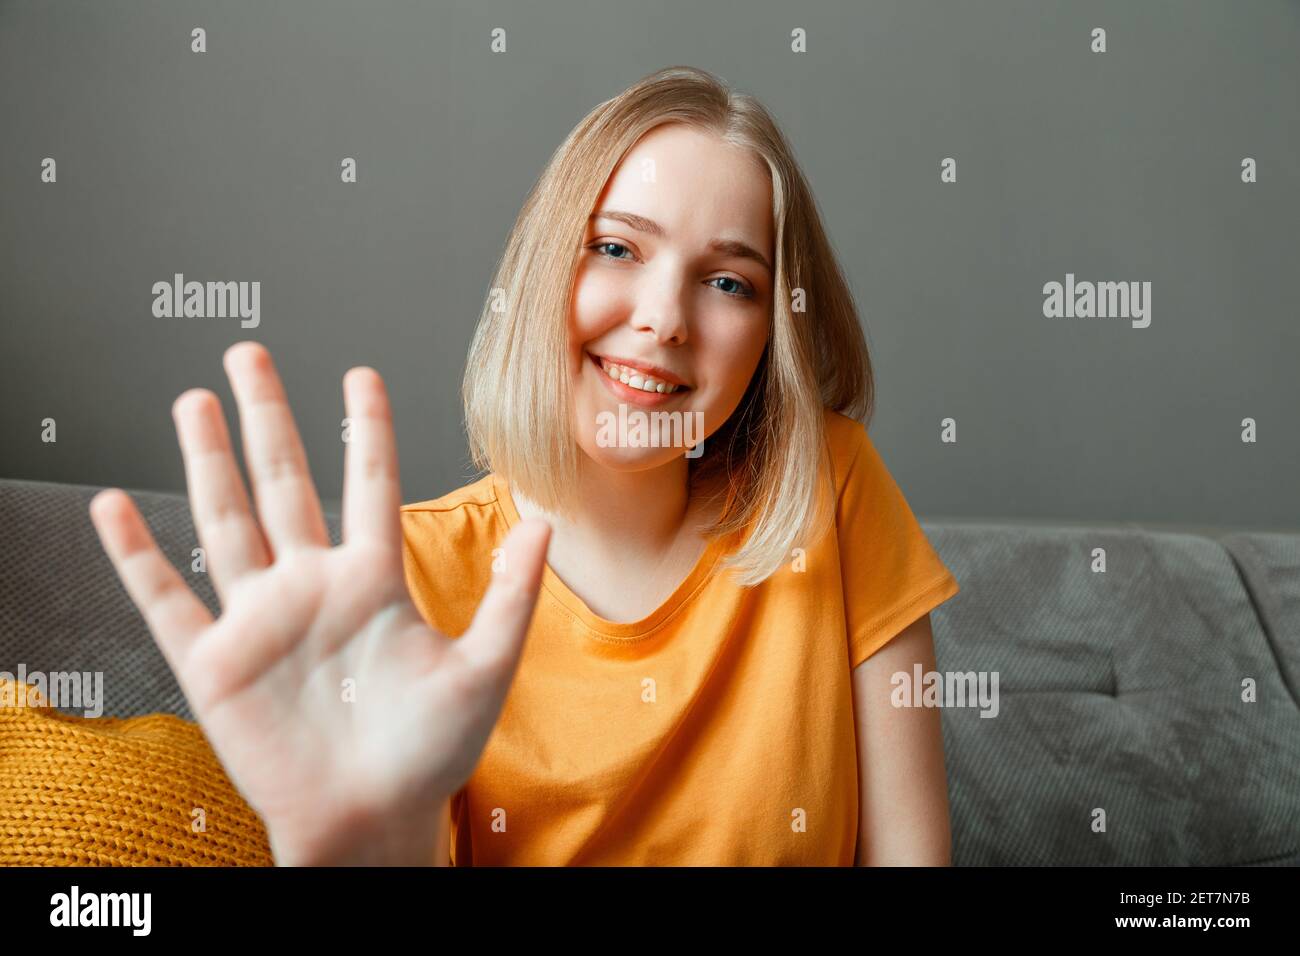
x=62 y=607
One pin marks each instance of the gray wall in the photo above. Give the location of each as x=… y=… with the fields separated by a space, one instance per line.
x=1116 y=166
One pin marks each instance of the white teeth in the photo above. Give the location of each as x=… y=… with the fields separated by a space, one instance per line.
x=635 y=378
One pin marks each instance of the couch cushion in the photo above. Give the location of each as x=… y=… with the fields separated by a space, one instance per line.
x=147 y=791
x=1119 y=690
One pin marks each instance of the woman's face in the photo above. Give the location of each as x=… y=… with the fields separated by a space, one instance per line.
x=676 y=273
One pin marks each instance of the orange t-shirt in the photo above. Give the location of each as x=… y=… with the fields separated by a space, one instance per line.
x=719 y=730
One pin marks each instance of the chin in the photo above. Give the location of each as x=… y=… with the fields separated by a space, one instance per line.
x=629 y=459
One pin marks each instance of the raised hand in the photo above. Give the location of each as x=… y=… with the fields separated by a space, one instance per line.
x=342 y=718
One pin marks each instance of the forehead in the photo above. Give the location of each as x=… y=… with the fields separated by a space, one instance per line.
x=695 y=185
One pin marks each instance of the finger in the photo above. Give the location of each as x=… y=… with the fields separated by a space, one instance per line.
x=495 y=638
x=282 y=487
x=218 y=501
x=372 y=494
x=174 y=614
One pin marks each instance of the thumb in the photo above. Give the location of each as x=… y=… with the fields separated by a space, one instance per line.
x=495 y=638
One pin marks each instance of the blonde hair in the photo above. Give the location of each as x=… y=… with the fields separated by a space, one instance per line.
x=767 y=458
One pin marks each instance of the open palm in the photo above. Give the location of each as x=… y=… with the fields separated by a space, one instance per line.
x=341 y=717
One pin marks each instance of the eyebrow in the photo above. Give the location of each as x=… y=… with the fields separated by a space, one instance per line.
x=730 y=247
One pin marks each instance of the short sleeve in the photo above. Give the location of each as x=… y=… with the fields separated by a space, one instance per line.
x=892 y=575
x=439 y=551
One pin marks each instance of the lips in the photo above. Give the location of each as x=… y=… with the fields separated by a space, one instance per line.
x=636 y=396
x=657 y=372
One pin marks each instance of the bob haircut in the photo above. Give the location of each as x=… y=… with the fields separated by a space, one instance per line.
x=766 y=461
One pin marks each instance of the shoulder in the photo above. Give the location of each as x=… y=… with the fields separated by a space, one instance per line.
x=849 y=445
x=447 y=551
x=472 y=508
x=892 y=575
x=477 y=494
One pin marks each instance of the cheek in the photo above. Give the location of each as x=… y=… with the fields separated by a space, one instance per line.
x=596 y=305
x=734 y=354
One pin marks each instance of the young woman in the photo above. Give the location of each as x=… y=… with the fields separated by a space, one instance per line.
x=711 y=630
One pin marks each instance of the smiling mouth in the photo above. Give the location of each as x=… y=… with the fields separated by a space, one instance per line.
x=635 y=379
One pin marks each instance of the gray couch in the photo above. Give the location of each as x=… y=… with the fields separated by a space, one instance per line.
x=1119 y=690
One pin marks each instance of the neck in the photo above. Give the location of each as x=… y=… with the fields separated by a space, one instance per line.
x=648 y=509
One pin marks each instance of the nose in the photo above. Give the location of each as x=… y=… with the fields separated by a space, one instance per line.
x=661 y=308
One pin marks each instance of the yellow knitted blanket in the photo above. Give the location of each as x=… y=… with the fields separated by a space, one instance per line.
x=143 y=791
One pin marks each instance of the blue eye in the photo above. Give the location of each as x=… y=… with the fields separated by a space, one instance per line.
x=744 y=291
x=602 y=245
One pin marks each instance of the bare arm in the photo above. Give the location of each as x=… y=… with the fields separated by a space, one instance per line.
x=902 y=785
